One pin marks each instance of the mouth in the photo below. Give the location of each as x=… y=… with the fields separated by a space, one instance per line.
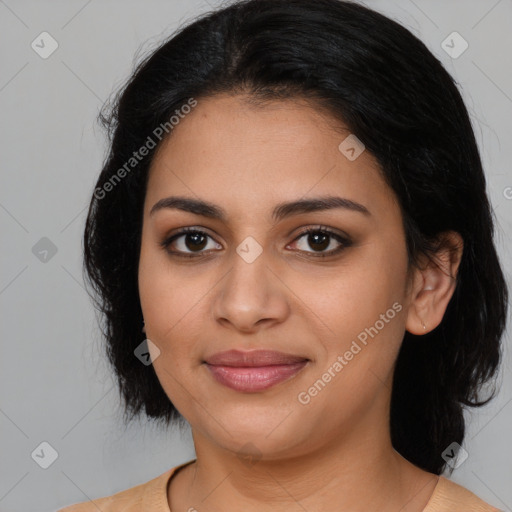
x=253 y=371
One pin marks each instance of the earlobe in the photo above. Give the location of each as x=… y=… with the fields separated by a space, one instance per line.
x=434 y=286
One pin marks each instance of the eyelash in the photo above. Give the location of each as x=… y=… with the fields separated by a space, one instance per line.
x=344 y=241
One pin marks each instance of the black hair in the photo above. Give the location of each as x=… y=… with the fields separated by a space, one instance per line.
x=382 y=82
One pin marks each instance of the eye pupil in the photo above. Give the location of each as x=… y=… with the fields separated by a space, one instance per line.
x=198 y=241
x=318 y=238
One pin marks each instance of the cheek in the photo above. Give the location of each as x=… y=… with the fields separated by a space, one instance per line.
x=169 y=302
x=175 y=304
x=165 y=297
x=362 y=309
x=354 y=295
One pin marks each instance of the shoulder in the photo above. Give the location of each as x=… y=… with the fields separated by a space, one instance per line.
x=129 y=500
x=449 y=496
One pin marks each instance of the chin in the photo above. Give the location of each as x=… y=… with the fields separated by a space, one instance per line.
x=250 y=433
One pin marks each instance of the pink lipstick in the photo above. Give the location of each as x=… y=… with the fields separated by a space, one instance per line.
x=253 y=371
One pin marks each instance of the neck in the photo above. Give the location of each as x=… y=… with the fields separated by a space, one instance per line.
x=358 y=472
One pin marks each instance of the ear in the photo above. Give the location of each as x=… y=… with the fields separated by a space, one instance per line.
x=433 y=285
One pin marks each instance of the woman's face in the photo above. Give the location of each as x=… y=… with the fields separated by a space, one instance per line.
x=252 y=280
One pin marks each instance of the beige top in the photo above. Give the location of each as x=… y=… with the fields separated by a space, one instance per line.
x=152 y=497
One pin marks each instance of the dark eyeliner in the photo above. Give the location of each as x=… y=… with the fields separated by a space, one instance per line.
x=344 y=240
x=168 y=241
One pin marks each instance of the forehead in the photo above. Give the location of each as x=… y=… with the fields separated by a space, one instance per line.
x=230 y=152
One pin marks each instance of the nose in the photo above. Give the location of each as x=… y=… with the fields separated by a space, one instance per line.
x=251 y=296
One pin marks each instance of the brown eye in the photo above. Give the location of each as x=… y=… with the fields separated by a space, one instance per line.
x=195 y=241
x=323 y=242
x=188 y=242
x=318 y=241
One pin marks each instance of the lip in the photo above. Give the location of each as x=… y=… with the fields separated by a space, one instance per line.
x=253 y=371
x=253 y=358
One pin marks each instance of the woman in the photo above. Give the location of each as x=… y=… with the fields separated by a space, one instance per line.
x=294 y=213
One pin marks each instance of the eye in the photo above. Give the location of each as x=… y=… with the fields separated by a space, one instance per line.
x=193 y=242
x=189 y=243
x=320 y=239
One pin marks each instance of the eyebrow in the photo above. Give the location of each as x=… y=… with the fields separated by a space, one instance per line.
x=280 y=212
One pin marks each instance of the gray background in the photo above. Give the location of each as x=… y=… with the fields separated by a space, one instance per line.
x=55 y=385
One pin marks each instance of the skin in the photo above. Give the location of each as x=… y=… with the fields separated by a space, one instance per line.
x=335 y=452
